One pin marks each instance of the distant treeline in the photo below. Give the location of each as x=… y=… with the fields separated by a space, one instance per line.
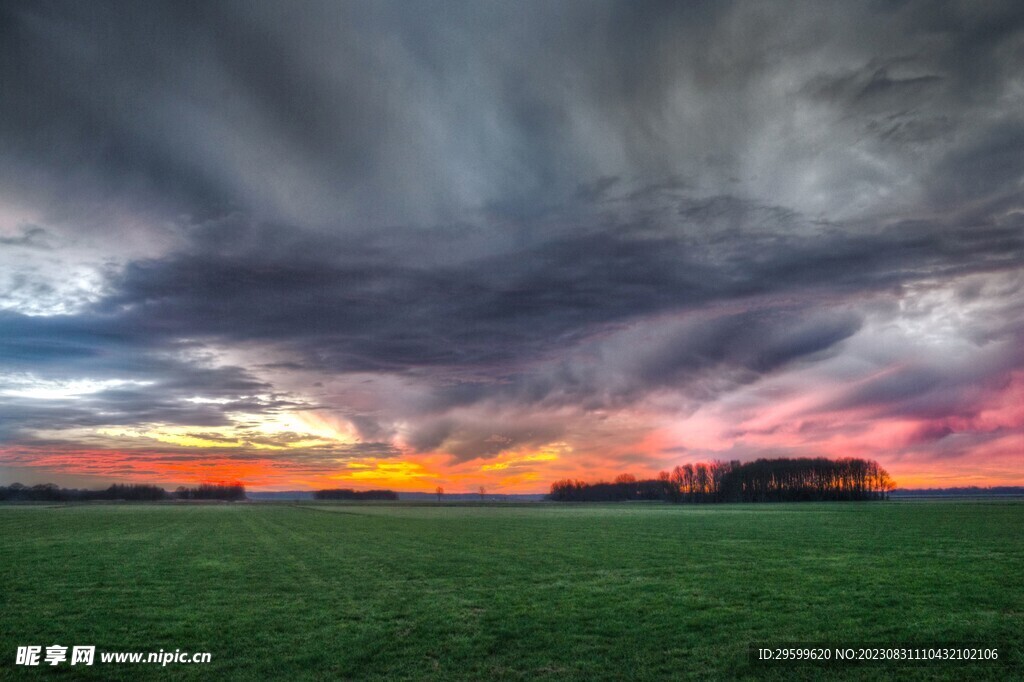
x=49 y=492
x=349 y=494
x=763 y=480
x=212 y=491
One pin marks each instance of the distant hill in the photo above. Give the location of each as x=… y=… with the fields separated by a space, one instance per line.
x=282 y=495
x=969 y=491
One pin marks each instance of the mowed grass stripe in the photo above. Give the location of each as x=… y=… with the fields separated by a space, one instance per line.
x=561 y=592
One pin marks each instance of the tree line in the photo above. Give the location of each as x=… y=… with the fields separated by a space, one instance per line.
x=349 y=494
x=763 y=480
x=50 y=492
x=212 y=491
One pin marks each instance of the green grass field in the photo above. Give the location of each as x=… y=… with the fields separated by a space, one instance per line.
x=402 y=591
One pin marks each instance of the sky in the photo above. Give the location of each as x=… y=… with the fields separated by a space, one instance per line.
x=403 y=245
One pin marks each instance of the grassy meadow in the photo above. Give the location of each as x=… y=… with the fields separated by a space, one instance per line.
x=522 y=592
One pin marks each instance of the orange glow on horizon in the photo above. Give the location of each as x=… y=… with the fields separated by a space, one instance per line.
x=984 y=449
x=515 y=472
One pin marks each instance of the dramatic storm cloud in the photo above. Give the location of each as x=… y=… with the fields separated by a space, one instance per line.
x=404 y=245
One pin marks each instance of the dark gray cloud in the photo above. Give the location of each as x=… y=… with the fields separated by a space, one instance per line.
x=31 y=236
x=345 y=305
x=130 y=377
x=379 y=113
x=938 y=388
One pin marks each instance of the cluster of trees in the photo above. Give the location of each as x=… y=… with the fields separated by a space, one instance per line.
x=763 y=480
x=49 y=492
x=349 y=494
x=212 y=491
x=624 y=487
x=133 y=492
